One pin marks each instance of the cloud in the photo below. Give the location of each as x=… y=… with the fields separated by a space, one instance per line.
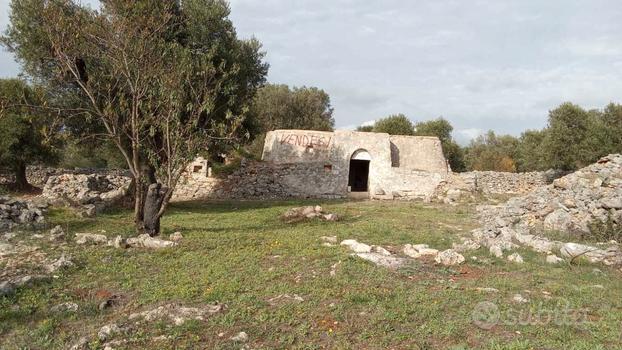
x=481 y=64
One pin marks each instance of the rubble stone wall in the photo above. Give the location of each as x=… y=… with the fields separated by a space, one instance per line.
x=39 y=175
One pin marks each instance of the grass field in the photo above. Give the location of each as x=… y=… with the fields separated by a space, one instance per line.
x=241 y=254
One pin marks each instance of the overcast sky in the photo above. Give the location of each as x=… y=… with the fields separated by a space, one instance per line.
x=481 y=64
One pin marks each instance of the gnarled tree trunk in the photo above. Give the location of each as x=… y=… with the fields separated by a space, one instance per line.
x=21 y=182
x=151 y=212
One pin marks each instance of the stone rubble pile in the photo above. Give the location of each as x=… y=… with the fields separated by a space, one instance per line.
x=461 y=186
x=308 y=212
x=382 y=257
x=570 y=204
x=15 y=213
x=93 y=191
x=142 y=241
x=116 y=334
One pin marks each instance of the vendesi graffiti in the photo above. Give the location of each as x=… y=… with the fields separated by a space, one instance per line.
x=307 y=141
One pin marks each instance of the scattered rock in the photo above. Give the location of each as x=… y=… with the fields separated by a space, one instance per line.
x=146 y=241
x=118 y=242
x=449 y=257
x=108 y=331
x=241 y=337
x=390 y=262
x=570 y=204
x=65 y=307
x=496 y=251
x=356 y=247
x=517 y=298
x=91 y=238
x=333 y=268
x=14 y=213
x=177 y=314
x=553 y=259
x=515 y=258
x=57 y=233
x=308 y=212
x=487 y=290
x=62 y=263
x=176 y=237
x=285 y=298
x=418 y=250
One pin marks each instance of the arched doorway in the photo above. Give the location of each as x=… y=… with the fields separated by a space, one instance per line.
x=358 y=178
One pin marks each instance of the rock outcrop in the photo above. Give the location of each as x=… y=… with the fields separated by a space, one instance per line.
x=90 y=191
x=570 y=204
x=15 y=213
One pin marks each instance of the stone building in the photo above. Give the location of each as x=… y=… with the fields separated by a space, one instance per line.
x=360 y=164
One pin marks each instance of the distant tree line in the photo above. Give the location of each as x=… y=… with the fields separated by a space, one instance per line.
x=573 y=138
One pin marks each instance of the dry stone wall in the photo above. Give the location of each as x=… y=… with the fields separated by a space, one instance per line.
x=39 y=175
x=262 y=180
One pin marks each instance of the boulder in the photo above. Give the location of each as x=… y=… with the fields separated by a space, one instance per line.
x=91 y=238
x=515 y=258
x=449 y=257
x=355 y=246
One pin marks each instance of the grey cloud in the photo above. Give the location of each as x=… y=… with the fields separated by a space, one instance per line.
x=482 y=64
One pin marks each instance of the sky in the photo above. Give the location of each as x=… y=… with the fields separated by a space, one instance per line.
x=482 y=64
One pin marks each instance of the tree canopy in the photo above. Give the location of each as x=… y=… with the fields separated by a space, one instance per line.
x=25 y=136
x=162 y=79
x=442 y=129
x=397 y=124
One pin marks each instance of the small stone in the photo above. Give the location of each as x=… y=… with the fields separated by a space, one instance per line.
x=515 y=258
x=331 y=217
x=241 y=337
x=176 y=237
x=356 y=247
x=496 y=251
x=329 y=239
x=517 y=298
x=449 y=257
x=108 y=331
x=65 y=307
x=119 y=242
x=487 y=290
x=84 y=238
x=553 y=259
x=62 y=263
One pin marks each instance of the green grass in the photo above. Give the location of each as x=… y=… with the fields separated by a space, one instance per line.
x=241 y=254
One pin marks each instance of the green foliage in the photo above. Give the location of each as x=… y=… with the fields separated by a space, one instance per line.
x=304 y=108
x=530 y=154
x=397 y=124
x=569 y=141
x=442 y=129
x=23 y=130
x=162 y=80
x=492 y=152
x=365 y=128
x=93 y=154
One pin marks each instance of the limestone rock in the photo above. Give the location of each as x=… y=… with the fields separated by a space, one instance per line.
x=515 y=258
x=449 y=257
x=496 y=251
x=176 y=237
x=517 y=298
x=146 y=241
x=241 y=337
x=177 y=314
x=92 y=238
x=390 y=262
x=57 y=233
x=418 y=250
x=65 y=307
x=355 y=246
x=108 y=331
x=62 y=263
x=553 y=259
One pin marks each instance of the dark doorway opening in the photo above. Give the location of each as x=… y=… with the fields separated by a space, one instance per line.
x=359 y=175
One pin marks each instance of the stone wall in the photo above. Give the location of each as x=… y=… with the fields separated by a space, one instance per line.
x=261 y=180
x=39 y=175
x=456 y=185
x=421 y=153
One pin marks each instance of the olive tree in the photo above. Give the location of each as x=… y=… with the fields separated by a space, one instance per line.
x=164 y=80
